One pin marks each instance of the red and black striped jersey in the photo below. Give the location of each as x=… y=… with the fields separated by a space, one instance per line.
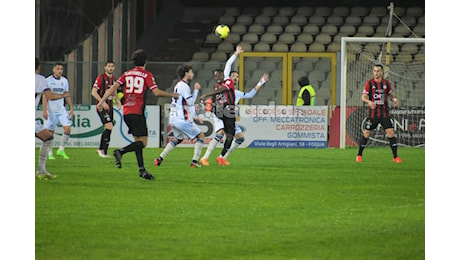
x=102 y=83
x=378 y=93
x=227 y=97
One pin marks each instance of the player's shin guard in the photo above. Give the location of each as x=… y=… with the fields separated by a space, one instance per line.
x=140 y=155
x=105 y=140
x=362 y=145
x=138 y=145
x=169 y=147
x=227 y=144
x=197 y=149
x=236 y=142
x=44 y=148
x=65 y=138
x=394 y=146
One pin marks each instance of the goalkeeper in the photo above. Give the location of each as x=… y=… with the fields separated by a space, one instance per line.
x=375 y=94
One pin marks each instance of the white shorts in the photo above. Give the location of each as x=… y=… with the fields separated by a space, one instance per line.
x=55 y=118
x=187 y=128
x=219 y=124
x=38 y=126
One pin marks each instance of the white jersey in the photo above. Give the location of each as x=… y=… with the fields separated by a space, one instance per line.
x=58 y=86
x=40 y=86
x=240 y=94
x=183 y=107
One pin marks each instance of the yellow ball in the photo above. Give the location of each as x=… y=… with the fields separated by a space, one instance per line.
x=222 y=31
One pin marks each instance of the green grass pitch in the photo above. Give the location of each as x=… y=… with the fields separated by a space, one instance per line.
x=268 y=204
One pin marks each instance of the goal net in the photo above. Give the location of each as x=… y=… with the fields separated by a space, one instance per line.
x=404 y=60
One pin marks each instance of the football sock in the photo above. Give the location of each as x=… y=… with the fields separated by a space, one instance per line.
x=197 y=149
x=105 y=140
x=140 y=155
x=132 y=147
x=169 y=147
x=227 y=144
x=235 y=144
x=44 y=148
x=65 y=138
x=212 y=145
x=362 y=145
x=394 y=146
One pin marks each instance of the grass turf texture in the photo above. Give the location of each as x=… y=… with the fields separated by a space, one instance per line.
x=268 y=204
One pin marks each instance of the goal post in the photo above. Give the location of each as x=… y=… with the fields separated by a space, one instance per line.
x=404 y=60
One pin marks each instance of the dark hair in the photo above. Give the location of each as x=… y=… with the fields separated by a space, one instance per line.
x=379 y=65
x=58 y=64
x=234 y=71
x=139 y=57
x=182 y=69
x=217 y=70
x=303 y=81
x=37 y=63
x=109 y=61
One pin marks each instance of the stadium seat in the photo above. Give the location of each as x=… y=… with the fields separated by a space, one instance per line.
x=324 y=65
x=263 y=20
x=298 y=47
x=334 y=47
x=232 y=11
x=324 y=11
x=323 y=38
x=232 y=38
x=200 y=56
x=311 y=29
x=348 y=30
x=316 y=76
x=403 y=57
x=244 y=19
x=372 y=47
x=401 y=31
x=371 y=20
x=246 y=46
x=227 y=19
x=419 y=30
x=338 y=37
x=360 y=11
x=287 y=38
x=410 y=48
x=251 y=38
x=419 y=57
x=329 y=29
x=299 y=20
x=287 y=11
x=212 y=39
x=365 y=30
x=409 y=20
x=261 y=47
x=415 y=11
x=386 y=20
x=305 y=11
x=269 y=11
x=353 y=20
x=399 y=11
x=226 y=47
x=341 y=11
x=238 y=29
x=275 y=28
x=304 y=65
x=305 y=38
x=334 y=20
x=280 y=20
x=317 y=20
x=316 y=47
x=256 y=28
x=280 y=47
x=379 y=11
x=381 y=30
x=268 y=65
x=293 y=28
x=250 y=65
x=218 y=56
x=421 y=20
x=269 y=38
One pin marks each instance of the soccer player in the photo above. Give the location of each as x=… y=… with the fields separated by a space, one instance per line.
x=375 y=94
x=135 y=83
x=223 y=97
x=41 y=88
x=101 y=85
x=239 y=136
x=306 y=95
x=58 y=114
x=181 y=116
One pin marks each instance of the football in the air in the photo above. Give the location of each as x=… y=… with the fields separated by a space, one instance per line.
x=222 y=31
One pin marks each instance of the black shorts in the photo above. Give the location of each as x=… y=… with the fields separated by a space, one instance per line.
x=372 y=123
x=106 y=116
x=137 y=124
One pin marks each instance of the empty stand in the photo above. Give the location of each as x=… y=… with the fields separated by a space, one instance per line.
x=305 y=11
x=280 y=47
x=341 y=11
x=269 y=38
x=263 y=20
x=305 y=38
x=299 y=20
x=261 y=47
x=256 y=28
x=298 y=47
